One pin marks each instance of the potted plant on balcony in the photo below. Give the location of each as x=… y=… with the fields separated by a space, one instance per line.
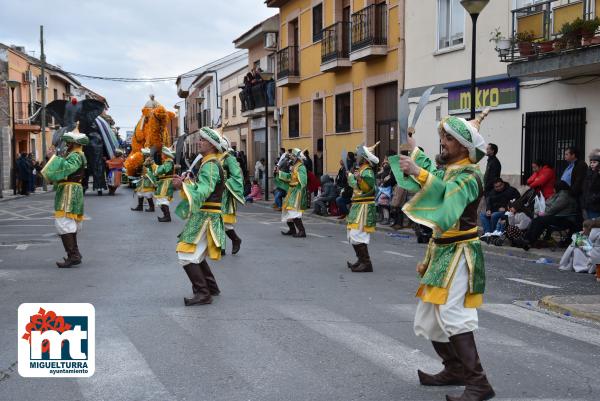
x=503 y=44
x=544 y=46
x=568 y=37
x=525 y=42
x=588 y=30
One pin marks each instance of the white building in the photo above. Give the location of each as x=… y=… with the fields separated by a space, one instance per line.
x=540 y=105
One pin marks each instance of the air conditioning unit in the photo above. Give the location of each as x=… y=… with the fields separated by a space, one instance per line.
x=39 y=81
x=28 y=76
x=271 y=41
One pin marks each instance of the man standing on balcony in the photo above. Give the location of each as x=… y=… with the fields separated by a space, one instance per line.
x=453 y=273
x=363 y=214
x=294 y=203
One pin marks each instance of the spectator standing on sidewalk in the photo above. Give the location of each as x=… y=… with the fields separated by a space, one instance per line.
x=493 y=168
x=574 y=175
x=23 y=174
x=591 y=187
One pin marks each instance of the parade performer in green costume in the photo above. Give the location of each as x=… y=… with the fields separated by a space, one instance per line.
x=453 y=273
x=67 y=172
x=164 y=187
x=147 y=183
x=363 y=213
x=203 y=235
x=234 y=192
x=295 y=200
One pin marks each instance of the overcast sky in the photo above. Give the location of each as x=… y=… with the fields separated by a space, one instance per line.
x=130 y=38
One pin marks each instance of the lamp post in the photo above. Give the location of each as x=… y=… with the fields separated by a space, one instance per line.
x=474 y=8
x=266 y=77
x=13 y=176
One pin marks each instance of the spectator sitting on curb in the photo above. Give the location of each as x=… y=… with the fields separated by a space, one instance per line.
x=543 y=178
x=582 y=255
x=496 y=204
x=255 y=192
x=328 y=194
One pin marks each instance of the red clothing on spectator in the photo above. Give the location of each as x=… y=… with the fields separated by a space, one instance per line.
x=255 y=192
x=543 y=181
x=313 y=182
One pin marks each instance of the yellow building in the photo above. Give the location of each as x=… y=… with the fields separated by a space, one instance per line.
x=339 y=72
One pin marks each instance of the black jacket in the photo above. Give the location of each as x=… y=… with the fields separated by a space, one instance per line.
x=492 y=173
x=591 y=191
x=578 y=175
x=496 y=200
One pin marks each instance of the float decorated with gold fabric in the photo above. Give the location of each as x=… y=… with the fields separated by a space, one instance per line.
x=151 y=132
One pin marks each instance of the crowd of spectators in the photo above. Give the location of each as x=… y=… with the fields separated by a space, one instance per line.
x=257 y=90
x=28 y=173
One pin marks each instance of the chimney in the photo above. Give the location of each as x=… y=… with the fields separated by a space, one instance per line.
x=18 y=48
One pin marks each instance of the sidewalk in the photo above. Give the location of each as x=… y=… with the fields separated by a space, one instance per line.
x=7 y=194
x=581 y=306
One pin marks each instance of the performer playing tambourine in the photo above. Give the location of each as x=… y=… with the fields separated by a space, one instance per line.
x=453 y=273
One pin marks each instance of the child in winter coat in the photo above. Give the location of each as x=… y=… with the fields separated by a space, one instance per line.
x=255 y=192
x=583 y=255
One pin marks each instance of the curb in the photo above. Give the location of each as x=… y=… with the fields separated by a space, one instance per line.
x=548 y=303
x=492 y=249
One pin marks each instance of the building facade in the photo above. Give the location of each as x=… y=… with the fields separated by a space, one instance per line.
x=235 y=125
x=339 y=75
x=541 y=103
x=18 y=67
x=258 y=100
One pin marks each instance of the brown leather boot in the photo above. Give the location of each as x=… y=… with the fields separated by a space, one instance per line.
x=68 y=241
x=301 y=233
x=166 y=214
x=477 y=387
x=199 y=286
x=236 y=241
x=140 y=206
x=451 y=375
x=355 y=264
x=364 y=265
x=150 y=205
x=211 y=282
x=76 y=254
x=292 y=229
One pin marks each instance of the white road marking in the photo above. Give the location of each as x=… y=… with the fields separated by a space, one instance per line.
x=22 y=247
x=546 y=322
x=344 y=242
x=121 y=370
x=316 y=235
x=380 y=349
x=520 y=280
x=399 y=254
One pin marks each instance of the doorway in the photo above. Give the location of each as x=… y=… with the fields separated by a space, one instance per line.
x=386 y=119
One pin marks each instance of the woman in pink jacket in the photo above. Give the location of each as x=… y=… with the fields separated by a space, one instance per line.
x=255 y=192
x=543 y=178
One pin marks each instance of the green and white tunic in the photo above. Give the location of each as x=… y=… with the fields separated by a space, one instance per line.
x=67 y=173
x=147 y=183
x=234 y=188
x=203 y=233
x=295 y=201
x=453 y=285
x=362 y=219
x=164 y=189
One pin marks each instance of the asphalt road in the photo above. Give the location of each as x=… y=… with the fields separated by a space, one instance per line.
x=292 y=322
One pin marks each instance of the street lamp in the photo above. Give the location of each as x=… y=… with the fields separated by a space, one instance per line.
x=12 y=85
x=266 y=77
x=474 y=8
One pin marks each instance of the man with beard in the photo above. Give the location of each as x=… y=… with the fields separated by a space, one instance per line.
x=453 y=274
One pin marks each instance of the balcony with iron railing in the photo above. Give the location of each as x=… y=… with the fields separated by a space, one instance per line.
x=288 y=66
x=335 y=47
x=255 y=98
x=28 y=116
x=369 y=32
x=553 y=38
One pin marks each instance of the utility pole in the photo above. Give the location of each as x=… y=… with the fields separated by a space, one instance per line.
x=43 y=60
